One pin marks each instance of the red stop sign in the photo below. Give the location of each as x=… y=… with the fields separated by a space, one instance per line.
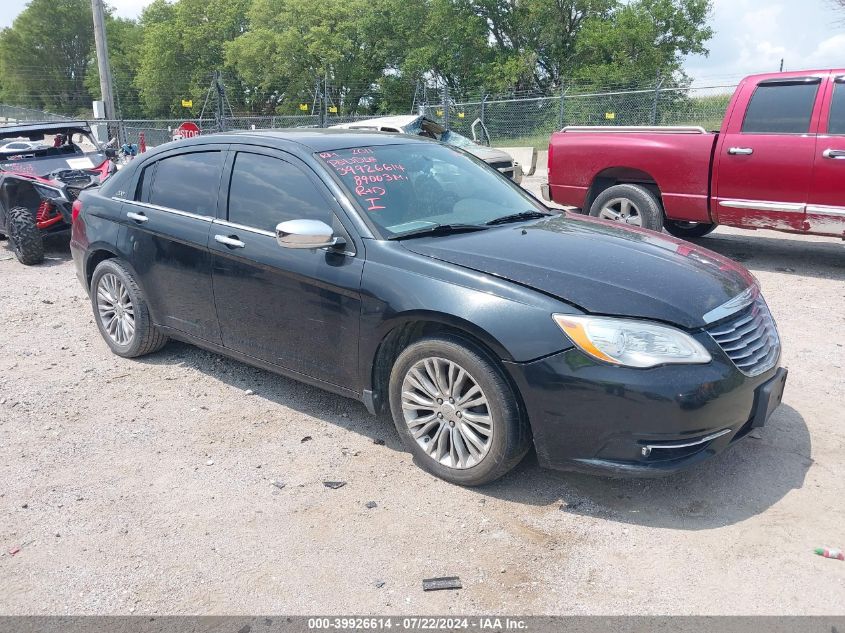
x=188 y=129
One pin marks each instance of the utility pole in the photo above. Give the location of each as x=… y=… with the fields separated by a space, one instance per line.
x=103 y=58
x=221 y=94
x=781 y=64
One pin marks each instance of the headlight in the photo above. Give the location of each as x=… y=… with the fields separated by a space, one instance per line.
x=630 y=342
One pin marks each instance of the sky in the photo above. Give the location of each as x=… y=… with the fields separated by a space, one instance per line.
x=751 y=36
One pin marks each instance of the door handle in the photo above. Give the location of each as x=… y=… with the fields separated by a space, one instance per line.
x=835 y=154
x=232 y=242
x=740 y=151
x=138 y=217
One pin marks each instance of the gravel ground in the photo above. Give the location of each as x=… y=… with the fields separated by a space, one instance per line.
x=185 y=482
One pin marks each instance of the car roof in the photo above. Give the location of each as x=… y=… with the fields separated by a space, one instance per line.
x=310 y=139
x=794 y=74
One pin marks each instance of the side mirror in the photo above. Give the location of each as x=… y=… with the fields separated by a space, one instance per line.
x=306 y=234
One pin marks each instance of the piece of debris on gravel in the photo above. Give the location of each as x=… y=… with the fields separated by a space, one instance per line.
x=371 y=504
x=438 y=584
x=278 y=484
x=378 y=441
x=307 y=438
x=334 y=485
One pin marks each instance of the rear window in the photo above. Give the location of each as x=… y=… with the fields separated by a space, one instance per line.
x=780 y=109
x=186 y=182
x=836 y=124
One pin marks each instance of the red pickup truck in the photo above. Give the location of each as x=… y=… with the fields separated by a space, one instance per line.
x=778 y=162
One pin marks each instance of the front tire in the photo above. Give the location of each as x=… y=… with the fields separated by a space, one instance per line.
x=629 y=204
x=456 y=412
x=25 y=236
x=121 y=311
x=687 y=230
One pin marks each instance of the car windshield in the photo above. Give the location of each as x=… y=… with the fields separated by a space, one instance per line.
x=453 y=138
x=407 y=188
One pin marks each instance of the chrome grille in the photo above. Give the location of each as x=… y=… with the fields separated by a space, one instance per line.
x=749 y=338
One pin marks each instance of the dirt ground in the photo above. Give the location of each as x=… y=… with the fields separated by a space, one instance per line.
x=185 y=482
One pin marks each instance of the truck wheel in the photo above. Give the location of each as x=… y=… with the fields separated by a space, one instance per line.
x=629 y=204
x=121 y=312
x=456 y=412
x=25 y=236
x=686 y=230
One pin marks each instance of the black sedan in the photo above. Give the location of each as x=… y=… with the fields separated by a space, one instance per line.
x=413 y=277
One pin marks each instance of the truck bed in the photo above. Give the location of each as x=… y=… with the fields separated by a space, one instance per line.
x=678 y=160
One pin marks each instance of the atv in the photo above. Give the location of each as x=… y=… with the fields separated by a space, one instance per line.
x=41 y=174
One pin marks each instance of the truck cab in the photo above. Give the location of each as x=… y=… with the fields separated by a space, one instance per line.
x=778 y=162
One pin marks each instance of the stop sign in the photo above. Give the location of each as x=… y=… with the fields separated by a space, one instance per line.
x=188 y=129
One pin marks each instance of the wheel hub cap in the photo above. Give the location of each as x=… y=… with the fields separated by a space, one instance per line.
x=447 y=413
x=621 y=210
x=115 y=309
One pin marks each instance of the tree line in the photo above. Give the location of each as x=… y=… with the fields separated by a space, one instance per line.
x=366 y=56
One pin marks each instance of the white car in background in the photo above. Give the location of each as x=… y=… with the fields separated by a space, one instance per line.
x=418 y=125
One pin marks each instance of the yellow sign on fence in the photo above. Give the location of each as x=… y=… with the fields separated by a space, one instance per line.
x=333 y=109
x=303 y=107
x=187 y=103
x=610 y=116
x=461 y=115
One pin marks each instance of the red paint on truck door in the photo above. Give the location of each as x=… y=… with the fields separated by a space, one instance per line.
x=826 y=202
x=765 y=155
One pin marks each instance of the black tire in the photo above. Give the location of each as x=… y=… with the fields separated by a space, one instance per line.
x=644 y=202
x=146 y=338
x=25 y=236
x=510 y=439
x=687 y=230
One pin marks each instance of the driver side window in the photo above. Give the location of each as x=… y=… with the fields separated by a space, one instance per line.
x=266 y=190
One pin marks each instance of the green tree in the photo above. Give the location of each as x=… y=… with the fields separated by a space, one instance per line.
x=125 y=39
x=45 y=55
x=182 y=45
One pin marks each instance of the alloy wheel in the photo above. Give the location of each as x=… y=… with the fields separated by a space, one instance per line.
x=447 y=413
x=115 y=309
x=621 y=210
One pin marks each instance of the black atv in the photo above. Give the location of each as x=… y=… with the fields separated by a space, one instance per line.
x=42 y=172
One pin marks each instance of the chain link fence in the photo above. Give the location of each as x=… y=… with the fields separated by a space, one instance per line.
x=509 y=120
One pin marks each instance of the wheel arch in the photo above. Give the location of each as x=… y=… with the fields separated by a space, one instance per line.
x=97 y=255
x=612 y=176
x=413 y=326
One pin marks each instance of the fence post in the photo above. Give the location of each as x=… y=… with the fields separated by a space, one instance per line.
x=484 y=109
x=657 y=87
x=561 y=112
x=446 y=105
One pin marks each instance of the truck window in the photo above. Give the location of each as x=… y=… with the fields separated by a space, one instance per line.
x=836 y=124
x=780 y=108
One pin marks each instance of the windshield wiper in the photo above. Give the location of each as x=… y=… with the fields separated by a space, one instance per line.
x=518 y=217
x=439 y=229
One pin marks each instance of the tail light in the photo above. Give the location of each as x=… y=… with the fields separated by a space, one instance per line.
x=75 y=210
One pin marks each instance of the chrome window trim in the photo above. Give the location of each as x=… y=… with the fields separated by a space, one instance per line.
x=763 y=205
x=147 y=205
x=822 y=209
x=241 y=227
x=646 y=450
x=732 y=306
x=634 y=129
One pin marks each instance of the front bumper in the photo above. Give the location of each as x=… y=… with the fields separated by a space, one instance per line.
x=591 y=417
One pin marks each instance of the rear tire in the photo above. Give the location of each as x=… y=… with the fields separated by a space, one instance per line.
x=25 y=236
x=629 y=204
x=687 y=230
x=121 y=311
x=469 y=428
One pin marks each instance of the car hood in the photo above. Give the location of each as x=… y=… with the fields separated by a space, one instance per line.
x=599 y=266
x=488 y=154
x=45 y=165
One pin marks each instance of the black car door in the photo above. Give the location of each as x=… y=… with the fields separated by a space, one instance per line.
x=168 y=224
x=298 y=309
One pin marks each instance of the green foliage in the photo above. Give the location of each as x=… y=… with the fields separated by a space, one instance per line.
x=45 y=55
x=373 y=56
